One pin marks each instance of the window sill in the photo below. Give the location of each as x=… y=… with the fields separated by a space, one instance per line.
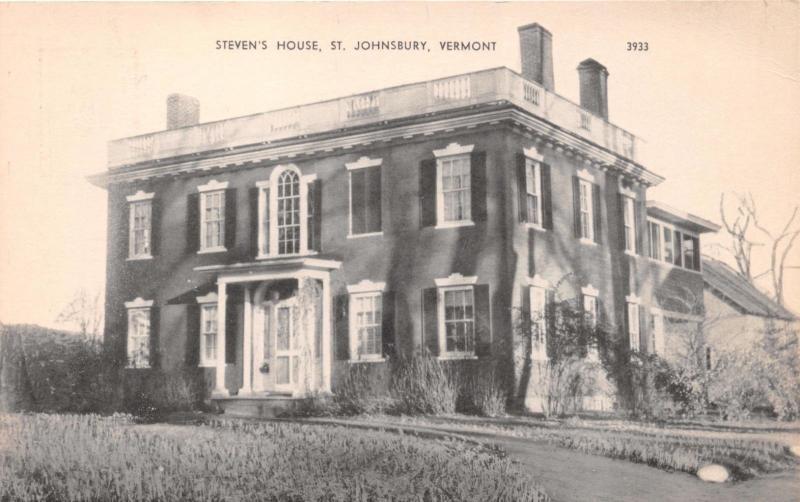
x=293 y=255
x=588 y=242
x=137 y=367
x=369 y=234
x=454 y=224
x=367 y=359
x=212 y=250
x=672 y=265
x=457 y=357
x=535 y=226
x=140 y=258
x=207 y=364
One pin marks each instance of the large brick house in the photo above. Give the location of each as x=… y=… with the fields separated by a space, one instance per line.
x=278 y=248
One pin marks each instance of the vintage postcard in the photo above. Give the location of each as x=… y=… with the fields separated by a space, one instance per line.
x=410 y=251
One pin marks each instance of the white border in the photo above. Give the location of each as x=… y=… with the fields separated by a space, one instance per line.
x=362 y=163
x=213 y=185
x=453 y=149
x=456 y=279
x=366 y=286
x=141 y=196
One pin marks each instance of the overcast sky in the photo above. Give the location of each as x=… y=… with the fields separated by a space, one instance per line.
x=716 y=97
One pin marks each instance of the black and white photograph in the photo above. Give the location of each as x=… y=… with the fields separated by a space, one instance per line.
x=401 y=251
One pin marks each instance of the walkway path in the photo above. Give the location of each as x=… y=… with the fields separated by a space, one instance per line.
x=568 y=475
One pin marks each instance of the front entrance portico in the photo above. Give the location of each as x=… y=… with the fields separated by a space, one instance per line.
x=286 y=326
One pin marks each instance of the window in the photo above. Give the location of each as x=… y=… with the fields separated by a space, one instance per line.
x=288 y=217
x=629 y=220
x=140 y=225
x=590 y=309
x=288 y=213
x=208 y=335
x=212 y=225
x=657 y=328
x=366 y=319
x=538 y=323
x=633 y=325
x=365 y=196
x=454 y=173
x=459 y=320
x=672 y=246
x=138 y=346
x=586 y=218
x=533 y=191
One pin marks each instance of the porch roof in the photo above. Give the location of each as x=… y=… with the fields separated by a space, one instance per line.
x=242 y=272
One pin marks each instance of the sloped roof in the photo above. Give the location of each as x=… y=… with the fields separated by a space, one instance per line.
x=735 y=289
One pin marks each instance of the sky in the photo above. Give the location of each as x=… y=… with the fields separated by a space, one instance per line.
x=716 y=98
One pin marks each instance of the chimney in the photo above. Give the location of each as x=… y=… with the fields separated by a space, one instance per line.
x=182 y=111
x=536 y=52
x=593 y=79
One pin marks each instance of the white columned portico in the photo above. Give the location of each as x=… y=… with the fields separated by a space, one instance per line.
x=326 y=333
x=222 y=300
x=247 y=349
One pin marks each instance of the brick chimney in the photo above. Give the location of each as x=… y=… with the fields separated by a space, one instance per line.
x=536 y=52
x=593 y=79
x=182 y=111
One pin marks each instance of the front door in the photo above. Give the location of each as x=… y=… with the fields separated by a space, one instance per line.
x=286 y=357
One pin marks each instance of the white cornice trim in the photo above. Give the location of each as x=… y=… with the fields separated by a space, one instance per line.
x=633 y=299
x=362 y=163
x=140 y=196
x=537 y=281
x=456 y=280
x=139 y=303
x=590 y=291
x=453 y=149
x=213 y=185
x=366 y=286
x=533 y=154
x=584 y=174
x=209 y=298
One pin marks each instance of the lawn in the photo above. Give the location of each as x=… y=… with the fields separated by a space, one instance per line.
x=74 y=457
x=672 y=449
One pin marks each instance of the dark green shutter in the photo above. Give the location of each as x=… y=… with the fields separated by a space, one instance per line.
x=155 y=227
x=522 y=187
x=192 y=222
x=358 y=202
x=483 y=320
x=576 y=204
x=478 y=186
x=315 y=216
x=373 y=196
x=387 y=323
x=341 y=326
x=642 y=232
x=230 y=218
x=155 y=319
x=427 y=193
x=253 y=215
x=430 y=320
x=231 y=327
x=192 y=334
x=597 y=213
x=621 y=220
x=547 y=198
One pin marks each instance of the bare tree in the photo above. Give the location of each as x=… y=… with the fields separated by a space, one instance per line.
x=84 y=312
x=741 y=228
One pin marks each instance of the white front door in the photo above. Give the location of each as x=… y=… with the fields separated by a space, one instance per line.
x=286 y=355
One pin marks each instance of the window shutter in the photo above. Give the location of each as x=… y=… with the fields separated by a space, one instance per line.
x=522 y=187
x=155 y=227
x=551 y=313
x=387 y=323
x=192 y=222
x=478 y=186
x=430 y=320
x=154 y=332
x=642 y=232
x=547 y=197
x=231 y=326
x=253 y=210
x=677 y=257
x=696 y=252
x=341 y=327
x=192 y=334
x=644 y=338
x=621 y=220
x=265 y=228
x=358 y=201
x=576 y=203
x=427 y=193
x=483 y=320
x=315 y=223
x=597 y=213
x=230 y=218
x=373 y=195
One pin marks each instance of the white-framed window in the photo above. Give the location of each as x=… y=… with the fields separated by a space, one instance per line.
x=676 y=247
x=629 y=220
x=208 y=334
x=365 y=323
x=138 y=343
x=212 y=220
x=285 y=215
x=538 y=299
x=590 y=309
x=657 y=328
x=668 y=249
x=533 y=191
x=453 y=185
x=633 y=322
x=458 y=320
x=586 y=210
x=140 y=222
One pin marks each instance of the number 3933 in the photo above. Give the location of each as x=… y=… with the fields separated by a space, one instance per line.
x=637 y=46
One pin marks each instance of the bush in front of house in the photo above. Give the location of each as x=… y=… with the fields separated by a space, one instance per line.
x=77 y=458
x=150 y=394
x=422 y=384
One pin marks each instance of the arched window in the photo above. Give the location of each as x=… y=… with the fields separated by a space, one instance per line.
x=288 y=216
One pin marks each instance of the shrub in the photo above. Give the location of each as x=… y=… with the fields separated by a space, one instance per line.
x=490 y=397
x=362 y=390
x=150 y=394
x=422 y=384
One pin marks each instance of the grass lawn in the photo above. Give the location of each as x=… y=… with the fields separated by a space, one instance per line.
x=72 y=457
x=746 y=455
